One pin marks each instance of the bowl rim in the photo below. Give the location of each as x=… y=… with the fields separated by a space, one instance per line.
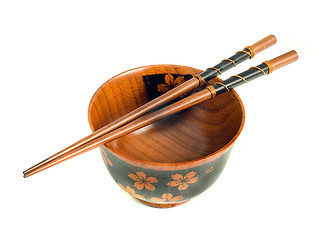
x=178 y=165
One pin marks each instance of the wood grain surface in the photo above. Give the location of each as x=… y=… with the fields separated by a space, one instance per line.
x=193 y=133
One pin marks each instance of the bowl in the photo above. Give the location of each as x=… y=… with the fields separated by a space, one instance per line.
x=177 y=158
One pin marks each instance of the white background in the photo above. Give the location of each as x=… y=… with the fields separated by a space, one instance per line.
x=55 y=54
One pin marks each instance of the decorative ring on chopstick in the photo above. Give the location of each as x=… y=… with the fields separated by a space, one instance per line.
x=201 y=79
x=214 y=68
x=245 y=53
x=270 y=67
x=259 y=70
x=230 y=60
x=252 y=53
x=212 y=90
x=220 y=83
x=240 y=78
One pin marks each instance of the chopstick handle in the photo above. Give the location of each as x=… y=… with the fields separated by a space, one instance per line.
x=281 y=60
x=262 y=44
x=262 y=69
x=240 y=56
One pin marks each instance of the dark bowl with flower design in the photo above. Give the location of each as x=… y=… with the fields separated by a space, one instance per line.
x=177 y=158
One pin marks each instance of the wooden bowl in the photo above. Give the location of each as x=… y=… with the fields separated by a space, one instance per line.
x=169 y=162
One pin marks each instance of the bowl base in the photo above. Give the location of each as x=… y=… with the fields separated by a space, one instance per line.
x=162 y=205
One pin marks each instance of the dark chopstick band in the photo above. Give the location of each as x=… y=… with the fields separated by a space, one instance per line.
x=201 y=79
x=240 y=78
x=214 y=68
x=245 y=53
x=259 y=70
x=212 y=89
x=220 y=83
x=230 y=60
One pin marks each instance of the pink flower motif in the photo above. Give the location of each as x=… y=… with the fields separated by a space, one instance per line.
x=182 y=182
x=142 y=181
x=167 y=197
x=170 y=83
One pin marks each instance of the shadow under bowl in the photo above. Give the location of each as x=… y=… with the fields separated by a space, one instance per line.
x=175 y=159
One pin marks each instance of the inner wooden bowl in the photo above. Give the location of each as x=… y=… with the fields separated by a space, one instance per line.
x=189 y=135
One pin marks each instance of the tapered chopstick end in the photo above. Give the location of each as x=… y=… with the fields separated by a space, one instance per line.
x=27 y=175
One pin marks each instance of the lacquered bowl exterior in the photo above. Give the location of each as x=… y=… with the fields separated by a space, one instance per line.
x=159 y=183
x=163 y=188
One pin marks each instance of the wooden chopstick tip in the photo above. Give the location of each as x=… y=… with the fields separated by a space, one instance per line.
x=27 y=173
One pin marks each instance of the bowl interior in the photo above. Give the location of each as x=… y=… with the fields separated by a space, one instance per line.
x=191 y=134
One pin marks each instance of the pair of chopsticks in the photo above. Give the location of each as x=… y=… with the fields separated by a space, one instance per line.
x=140 y=116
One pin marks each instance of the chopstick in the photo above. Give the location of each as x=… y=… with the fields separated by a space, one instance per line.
x=211 y=91
x=226 y=64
